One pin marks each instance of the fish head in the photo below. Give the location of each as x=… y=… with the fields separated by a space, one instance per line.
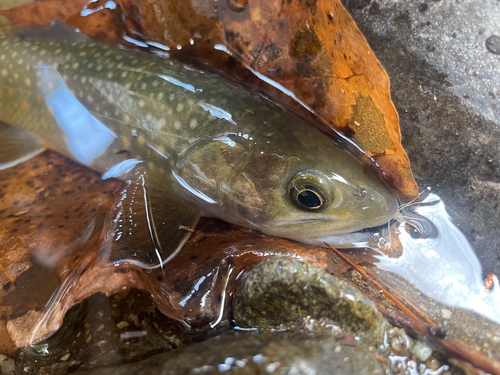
x=301 y=185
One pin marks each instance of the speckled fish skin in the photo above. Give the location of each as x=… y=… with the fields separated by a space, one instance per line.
x=230 y=152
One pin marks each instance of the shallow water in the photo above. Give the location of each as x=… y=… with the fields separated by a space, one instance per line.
x=443 y=266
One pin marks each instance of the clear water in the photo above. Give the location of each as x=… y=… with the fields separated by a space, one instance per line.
x=444 y=267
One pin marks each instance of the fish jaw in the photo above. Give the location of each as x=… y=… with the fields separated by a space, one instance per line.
x=341 y=230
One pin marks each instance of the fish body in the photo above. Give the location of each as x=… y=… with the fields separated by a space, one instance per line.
x=205 y=145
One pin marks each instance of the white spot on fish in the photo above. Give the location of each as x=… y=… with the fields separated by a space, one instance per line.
x=124 y=74
x=144 y=86
x=161 y=150
x=177 y=125
x=4 y=73
x=75 y=66
x=160 y=96
x=171 y=97
x=141 y=103
x=180 y=107
x=27 y=81
x=99 y=68
x=109 y=76
x=193 y=123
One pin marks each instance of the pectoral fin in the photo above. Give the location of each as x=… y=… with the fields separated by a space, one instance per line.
x=150 y=222
x=16 y=146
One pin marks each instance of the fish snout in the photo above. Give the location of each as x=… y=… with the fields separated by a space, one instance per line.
x=378 y=206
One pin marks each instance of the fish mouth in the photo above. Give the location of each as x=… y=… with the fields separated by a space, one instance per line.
x=344 y=240
x=321 y=237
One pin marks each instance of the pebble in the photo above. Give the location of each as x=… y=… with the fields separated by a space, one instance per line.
x=493 y=44
x=421 y=350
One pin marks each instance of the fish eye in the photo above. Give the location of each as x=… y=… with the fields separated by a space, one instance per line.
x=311 y=190
x=310 y=198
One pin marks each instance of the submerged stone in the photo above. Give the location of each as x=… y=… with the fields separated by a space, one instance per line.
x=247 y=353
x=283 y=290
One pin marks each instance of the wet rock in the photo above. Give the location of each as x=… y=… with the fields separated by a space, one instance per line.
x=421 y=351
x=244 y=353
x=101 y=331
x=493 y=44
x=399 y=341
x=283 y=290
x=445 y=81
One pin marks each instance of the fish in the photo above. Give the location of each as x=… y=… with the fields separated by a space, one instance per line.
x=187 y=142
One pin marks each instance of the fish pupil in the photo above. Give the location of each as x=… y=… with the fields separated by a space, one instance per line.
x=309 y=198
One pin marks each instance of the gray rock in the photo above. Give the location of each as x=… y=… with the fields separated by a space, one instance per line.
x=441 y=56
x=283 y=290
x=246 y=354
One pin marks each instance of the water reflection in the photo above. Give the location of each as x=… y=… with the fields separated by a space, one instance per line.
x=444 y=266
x=87 y=138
